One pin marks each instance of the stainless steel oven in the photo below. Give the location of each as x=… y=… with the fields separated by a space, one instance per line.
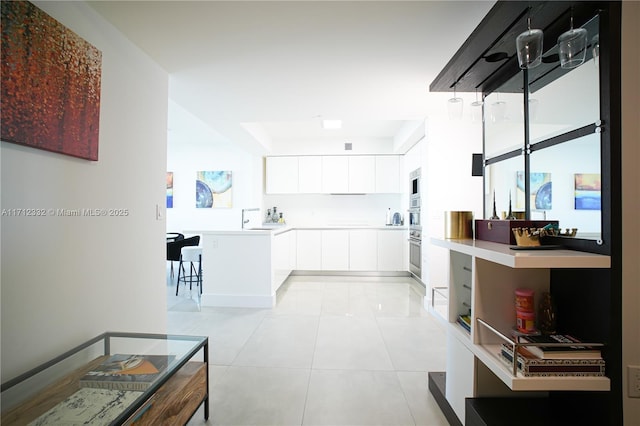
x=415 y=251
x=414 y=218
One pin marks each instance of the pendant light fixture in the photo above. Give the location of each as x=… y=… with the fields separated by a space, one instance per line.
x=454 y=106
x=572 y=46
x=529 y=46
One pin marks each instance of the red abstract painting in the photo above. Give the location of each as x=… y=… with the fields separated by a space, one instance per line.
x=50 y=84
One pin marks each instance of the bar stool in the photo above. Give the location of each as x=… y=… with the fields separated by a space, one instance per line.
x=191 y=255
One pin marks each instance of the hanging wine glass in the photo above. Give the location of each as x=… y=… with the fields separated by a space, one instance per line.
x=529 y=47
x=572 y=46
x=454 y=106
x=476 y=109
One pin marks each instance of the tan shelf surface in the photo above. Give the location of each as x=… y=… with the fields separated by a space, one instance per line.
x=503 y=255
x=488 y=355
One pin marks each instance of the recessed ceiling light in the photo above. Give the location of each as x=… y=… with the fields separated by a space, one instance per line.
x=332 y=124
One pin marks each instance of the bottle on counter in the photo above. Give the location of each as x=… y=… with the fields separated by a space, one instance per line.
x=274 y=217
x=268 y=219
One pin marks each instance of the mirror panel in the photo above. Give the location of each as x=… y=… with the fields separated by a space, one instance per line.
x=504 y=118
x=573 y=195
x=561 y=100
x=501 y=178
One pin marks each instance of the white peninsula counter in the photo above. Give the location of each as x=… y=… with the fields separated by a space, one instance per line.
x=245 y=268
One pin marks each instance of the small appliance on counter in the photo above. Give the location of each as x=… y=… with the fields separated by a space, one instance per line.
x=393 y=219
x=397 y=219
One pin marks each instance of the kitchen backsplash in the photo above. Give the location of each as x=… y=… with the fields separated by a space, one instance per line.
x=336 y=210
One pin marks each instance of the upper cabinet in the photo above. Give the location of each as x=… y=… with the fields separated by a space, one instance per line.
x=388 y=174
x=309 y=175
x=362 y=174
x=333 y=174
x=282 y=175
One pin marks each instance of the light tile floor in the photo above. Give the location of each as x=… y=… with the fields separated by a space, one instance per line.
x=333 y=351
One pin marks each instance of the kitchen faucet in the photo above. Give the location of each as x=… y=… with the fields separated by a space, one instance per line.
x=245 y=221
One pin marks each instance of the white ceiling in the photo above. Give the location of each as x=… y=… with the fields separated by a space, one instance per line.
x=276 y=67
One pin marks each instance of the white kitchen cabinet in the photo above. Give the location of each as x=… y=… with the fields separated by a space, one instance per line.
x=293 y=249
x=335 y=174
x=335 y=250
x=362 y=174
x=310 y=174
x=387 y=174
x=363 y=253
x=391 y=248
x=308 y=250
x=282 y=175
x=281 y=258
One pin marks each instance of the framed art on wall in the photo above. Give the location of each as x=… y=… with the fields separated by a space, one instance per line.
x=50 y=84
x=169 y=190
x=213 y=189
x=587 y=191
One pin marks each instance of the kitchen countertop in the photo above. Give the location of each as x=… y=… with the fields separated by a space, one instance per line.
x=281 y=229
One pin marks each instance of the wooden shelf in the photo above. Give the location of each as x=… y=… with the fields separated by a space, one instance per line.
x=488 y=355
x=503 y=255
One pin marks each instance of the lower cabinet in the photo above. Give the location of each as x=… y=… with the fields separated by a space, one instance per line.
x=363 y=253
x=391 y=250
x=335 y=250
x=381 y=250
x=308 y=250
x=283 y=257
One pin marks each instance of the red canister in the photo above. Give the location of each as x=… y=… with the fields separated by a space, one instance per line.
x=524 y=300
x=525 y=321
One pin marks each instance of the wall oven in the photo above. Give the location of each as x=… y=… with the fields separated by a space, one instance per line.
x=415 y=251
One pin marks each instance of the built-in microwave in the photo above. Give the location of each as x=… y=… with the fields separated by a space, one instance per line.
x=414 y=189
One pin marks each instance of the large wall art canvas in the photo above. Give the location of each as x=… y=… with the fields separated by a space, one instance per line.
x=169 y=190
x=213 y=189
x=588 y=189
x=50 y=84
x=540 y=188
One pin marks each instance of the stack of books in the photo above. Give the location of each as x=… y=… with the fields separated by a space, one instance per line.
x=465 y=322
x=573 y=360
x=127 y=372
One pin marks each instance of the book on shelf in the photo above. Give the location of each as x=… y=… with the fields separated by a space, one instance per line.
x=531 y=366
x=575 y=351
x=88 y=407
x=127 y=372
x=465 y=322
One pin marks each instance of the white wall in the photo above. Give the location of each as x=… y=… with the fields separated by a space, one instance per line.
x=67 y=279
x=447 y=186
x=630 y=200
x=193 y=146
